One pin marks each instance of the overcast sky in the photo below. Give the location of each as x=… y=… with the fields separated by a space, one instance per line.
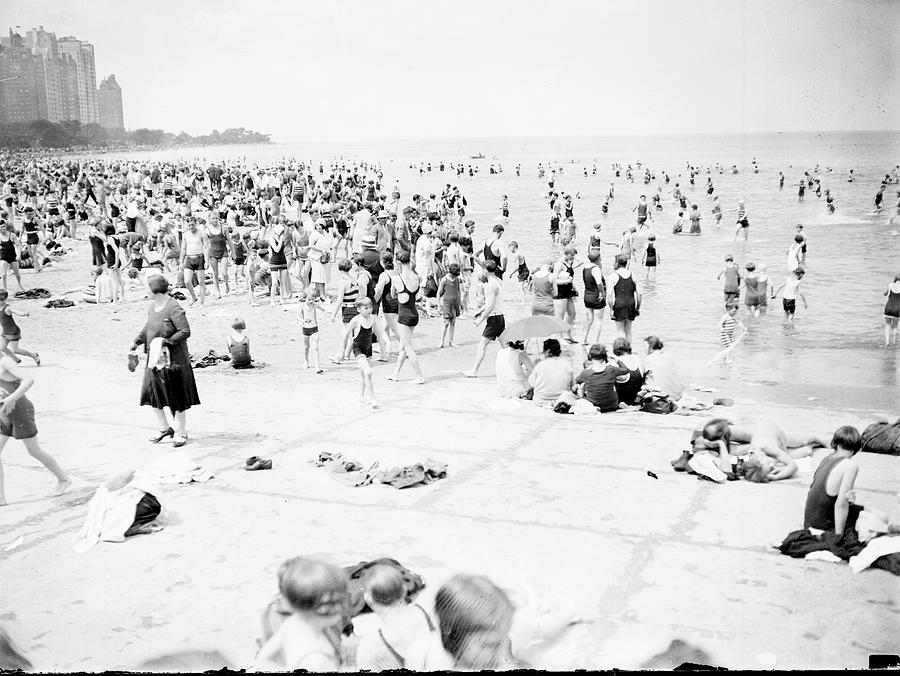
x=386 y=69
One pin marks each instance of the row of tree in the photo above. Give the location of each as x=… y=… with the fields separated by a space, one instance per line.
x=73 y=135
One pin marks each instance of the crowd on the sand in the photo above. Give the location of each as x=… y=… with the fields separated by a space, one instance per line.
x=340 y=244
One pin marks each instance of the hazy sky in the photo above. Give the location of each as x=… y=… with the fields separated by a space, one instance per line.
x=385 y=69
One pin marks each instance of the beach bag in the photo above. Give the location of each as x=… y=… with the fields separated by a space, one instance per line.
x=325 y=258
x=882 y=437
x=657 y=404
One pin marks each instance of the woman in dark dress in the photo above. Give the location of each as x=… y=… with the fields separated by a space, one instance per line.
x=173 y=386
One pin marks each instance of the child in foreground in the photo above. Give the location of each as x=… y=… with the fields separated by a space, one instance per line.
x=406 y=633
x=309 y=638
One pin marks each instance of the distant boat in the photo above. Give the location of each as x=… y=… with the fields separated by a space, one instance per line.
x=479 y=156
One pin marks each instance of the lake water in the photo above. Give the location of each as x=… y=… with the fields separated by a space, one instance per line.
x=831 y=356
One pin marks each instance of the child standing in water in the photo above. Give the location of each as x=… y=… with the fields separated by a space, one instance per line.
x=791 y=289
x=731 y=280
x=651 y=257
x=519 y=268
x=727 y=326
x=11 y=333
x=239 y=345
x=449 y=297
x=309 y=304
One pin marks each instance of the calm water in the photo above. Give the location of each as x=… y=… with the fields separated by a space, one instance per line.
x=831 y=356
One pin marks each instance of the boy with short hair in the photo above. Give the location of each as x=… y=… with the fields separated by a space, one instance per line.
x=791 y=289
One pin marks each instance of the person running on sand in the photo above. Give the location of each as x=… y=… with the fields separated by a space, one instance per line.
x=17 y=421
x=11 y=333
x=491 y=313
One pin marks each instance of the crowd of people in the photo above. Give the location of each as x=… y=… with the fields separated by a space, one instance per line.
x=341 y=244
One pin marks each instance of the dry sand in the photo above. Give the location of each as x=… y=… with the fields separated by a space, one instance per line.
x=561 y=504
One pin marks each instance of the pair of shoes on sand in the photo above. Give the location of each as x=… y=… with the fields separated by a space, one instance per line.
x=257 y=463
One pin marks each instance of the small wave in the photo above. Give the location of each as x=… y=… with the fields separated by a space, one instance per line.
x=836 y=219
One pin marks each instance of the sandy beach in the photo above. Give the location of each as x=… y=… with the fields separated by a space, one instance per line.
x=568 y=506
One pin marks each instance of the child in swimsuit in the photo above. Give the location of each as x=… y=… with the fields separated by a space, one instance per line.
x=519 y=268
x=359 y=334
x=239 y=345
x=309 y=304
x=449 y=296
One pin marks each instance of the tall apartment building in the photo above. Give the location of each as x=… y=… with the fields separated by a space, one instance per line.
x=43 y=44
x=82 y=54
x=110 y=96
x=22 y=97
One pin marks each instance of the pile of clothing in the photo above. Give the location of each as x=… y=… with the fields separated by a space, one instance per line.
x=33 y=294
x=59 y=302
x=865 y=543
x=210 y=359
x=351 y=473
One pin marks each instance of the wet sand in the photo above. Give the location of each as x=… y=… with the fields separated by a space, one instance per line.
x=562 y=504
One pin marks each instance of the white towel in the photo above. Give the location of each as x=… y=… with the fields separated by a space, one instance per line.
x=157 y=355
x=878 y=547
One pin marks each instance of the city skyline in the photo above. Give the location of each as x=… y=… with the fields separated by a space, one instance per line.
x=45 y=77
